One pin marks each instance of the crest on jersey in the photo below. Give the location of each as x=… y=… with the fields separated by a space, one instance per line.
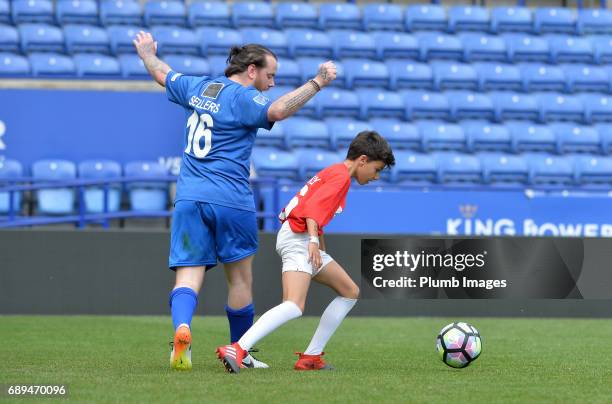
x=261 y=99
x=212 y=90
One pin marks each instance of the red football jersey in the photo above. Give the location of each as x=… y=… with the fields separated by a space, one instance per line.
x=320 y=199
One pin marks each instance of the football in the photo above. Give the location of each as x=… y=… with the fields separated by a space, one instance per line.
x=458 y=344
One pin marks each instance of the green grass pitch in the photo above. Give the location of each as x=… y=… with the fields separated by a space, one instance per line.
x=125 y=359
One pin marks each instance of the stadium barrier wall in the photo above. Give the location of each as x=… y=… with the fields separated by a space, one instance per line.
x=125 y=272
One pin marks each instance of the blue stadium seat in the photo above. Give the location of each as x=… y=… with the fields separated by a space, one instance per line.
x=51 y=64
x=121 y=37
x=217 y=65
x=504 y=169
x=497 y=76
x=339 y=16
x=310 y=65
x=9 y=39
x=132 y=67
x=86 y=38
x=425 y=105
x=311 y=161
x=365 y=73
x=174 y=39
x=572 y=138
x=439 y=135
x=527 y=48
x=296 y=15
x=602 y=48
x=188 y=64
x=270 y=162
x=125 y=12
x=96 y=65
x=569 y=49
x=218 y=40
x=482 y=47
x=306 y=132
x=10 y=169
x=425 y=17
x=597 y=107
x=581 y=78
x=485 y=136
x=54 y=200
x=309 y=109
x=396 y=45
x=436 y=45
x=468 y=18
x=349 y=44
x=538 y=77
x=383 y=17
x=146 y=195
x=270 y=38
x=337 y=102
x=94 y=196
x=307 y=42
x=41 y=38
x=468 y=105
x=380 y=103
x=288 y=73
x=164 y=13
x=511 y=19
x=605 y=135
x=77 y=12
x=343 y=130
x=272 y=138
x=554 y=19
x=209 y=14
x=409 y=74
x=510 y=105
x=252 y=14
x=5 y=12
x=36 y=11
x=594 y=21
x=452 y=75
x=456 y=168
x=593 y=171
x=529 y=137
x=548 y=170
x=399 y=134
x=13 y=65
x=560 y=107
x=414 y=168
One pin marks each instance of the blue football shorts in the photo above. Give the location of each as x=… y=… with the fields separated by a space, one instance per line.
x=203 y=233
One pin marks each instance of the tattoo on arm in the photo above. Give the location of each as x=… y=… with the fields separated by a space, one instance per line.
x=323 y=73
x=296 y=99
x=156 y=68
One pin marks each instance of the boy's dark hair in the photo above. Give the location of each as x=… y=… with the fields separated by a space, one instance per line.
x=240 y=57
x=372 y=145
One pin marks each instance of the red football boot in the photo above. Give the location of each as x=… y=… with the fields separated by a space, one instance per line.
x=231 y=356
x=311 y=362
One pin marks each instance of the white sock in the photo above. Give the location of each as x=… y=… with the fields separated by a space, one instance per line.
x=268 y=322
x=330 y=320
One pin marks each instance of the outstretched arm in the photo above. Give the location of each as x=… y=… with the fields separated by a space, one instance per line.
x=289 y=103
x=147 y=48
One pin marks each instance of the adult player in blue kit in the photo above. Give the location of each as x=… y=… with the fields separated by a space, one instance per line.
x=214 y=213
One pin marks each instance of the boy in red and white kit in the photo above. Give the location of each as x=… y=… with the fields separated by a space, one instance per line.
x=301 y=245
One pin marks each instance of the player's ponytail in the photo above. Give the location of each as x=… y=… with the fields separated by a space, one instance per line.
x=240 y=57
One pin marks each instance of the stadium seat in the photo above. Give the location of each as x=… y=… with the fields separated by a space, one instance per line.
x=596 y=21
x=96 y=65
x=218 y=40
x=504 y=169
x=452 y=75
x=482 y=47
x=511 y=19
x=306 y=132
x=188 y=64
x=9 y=39
x=425 y=105
x=342 y=131
x=583 y=78
x=10 y=170
x=548 y=170
x=484 y=136
x=497 y=76
x=605 y=135
x=529 y=137
x=377 y=103
x=468 y=18
x=527 y=48
x=311 y=161
x=510 y=105
x=164 y=13
x=337 y=102
x=41 y=38
x=86 y=38
x=13 y=65
x=468 y=105
x=296 y=15
x=270 y=162
x=593 y=171
x=288 y=73
x=399 y=134
x=365 y=73
x=339 y=16
x=413 y=168
x=597 y=107
x=554 y=19
x=439 y=135
x=307 y=42
x=217 y=65
x=51 y=64
x=34 y=11
x=121 y=37
x=383 y=17
x=409 y=74
x=538 y=77
x=396 y=45
x=456 y=168
x=252 y=14
x=174 y=39
x=272 y=138
x=560 y=107
x=572 y=138
x=270 y=38
x=569 y=49
x=209 y=14
x=146 y=195
x=349 y=44
x=435 y=45
x=54 y=200
x=602 y=48
x=310 y=65
x=429 y=17
x=5 y=12
x=132 y=67
x=94 y=196
x=125 y=12
x=76 y=12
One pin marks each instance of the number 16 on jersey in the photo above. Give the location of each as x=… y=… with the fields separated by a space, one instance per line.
x=199 y=127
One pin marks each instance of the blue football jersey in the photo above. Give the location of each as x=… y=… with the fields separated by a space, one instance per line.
x=222 y=121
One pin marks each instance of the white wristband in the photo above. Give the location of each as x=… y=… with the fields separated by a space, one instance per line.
x=314 y=239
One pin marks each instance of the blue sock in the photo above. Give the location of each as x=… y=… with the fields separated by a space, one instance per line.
x=183 y=302
x=240 y=320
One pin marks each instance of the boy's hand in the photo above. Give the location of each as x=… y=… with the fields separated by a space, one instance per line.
x=314 y=256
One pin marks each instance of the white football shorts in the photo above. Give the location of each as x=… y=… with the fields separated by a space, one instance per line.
x=293 y=250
